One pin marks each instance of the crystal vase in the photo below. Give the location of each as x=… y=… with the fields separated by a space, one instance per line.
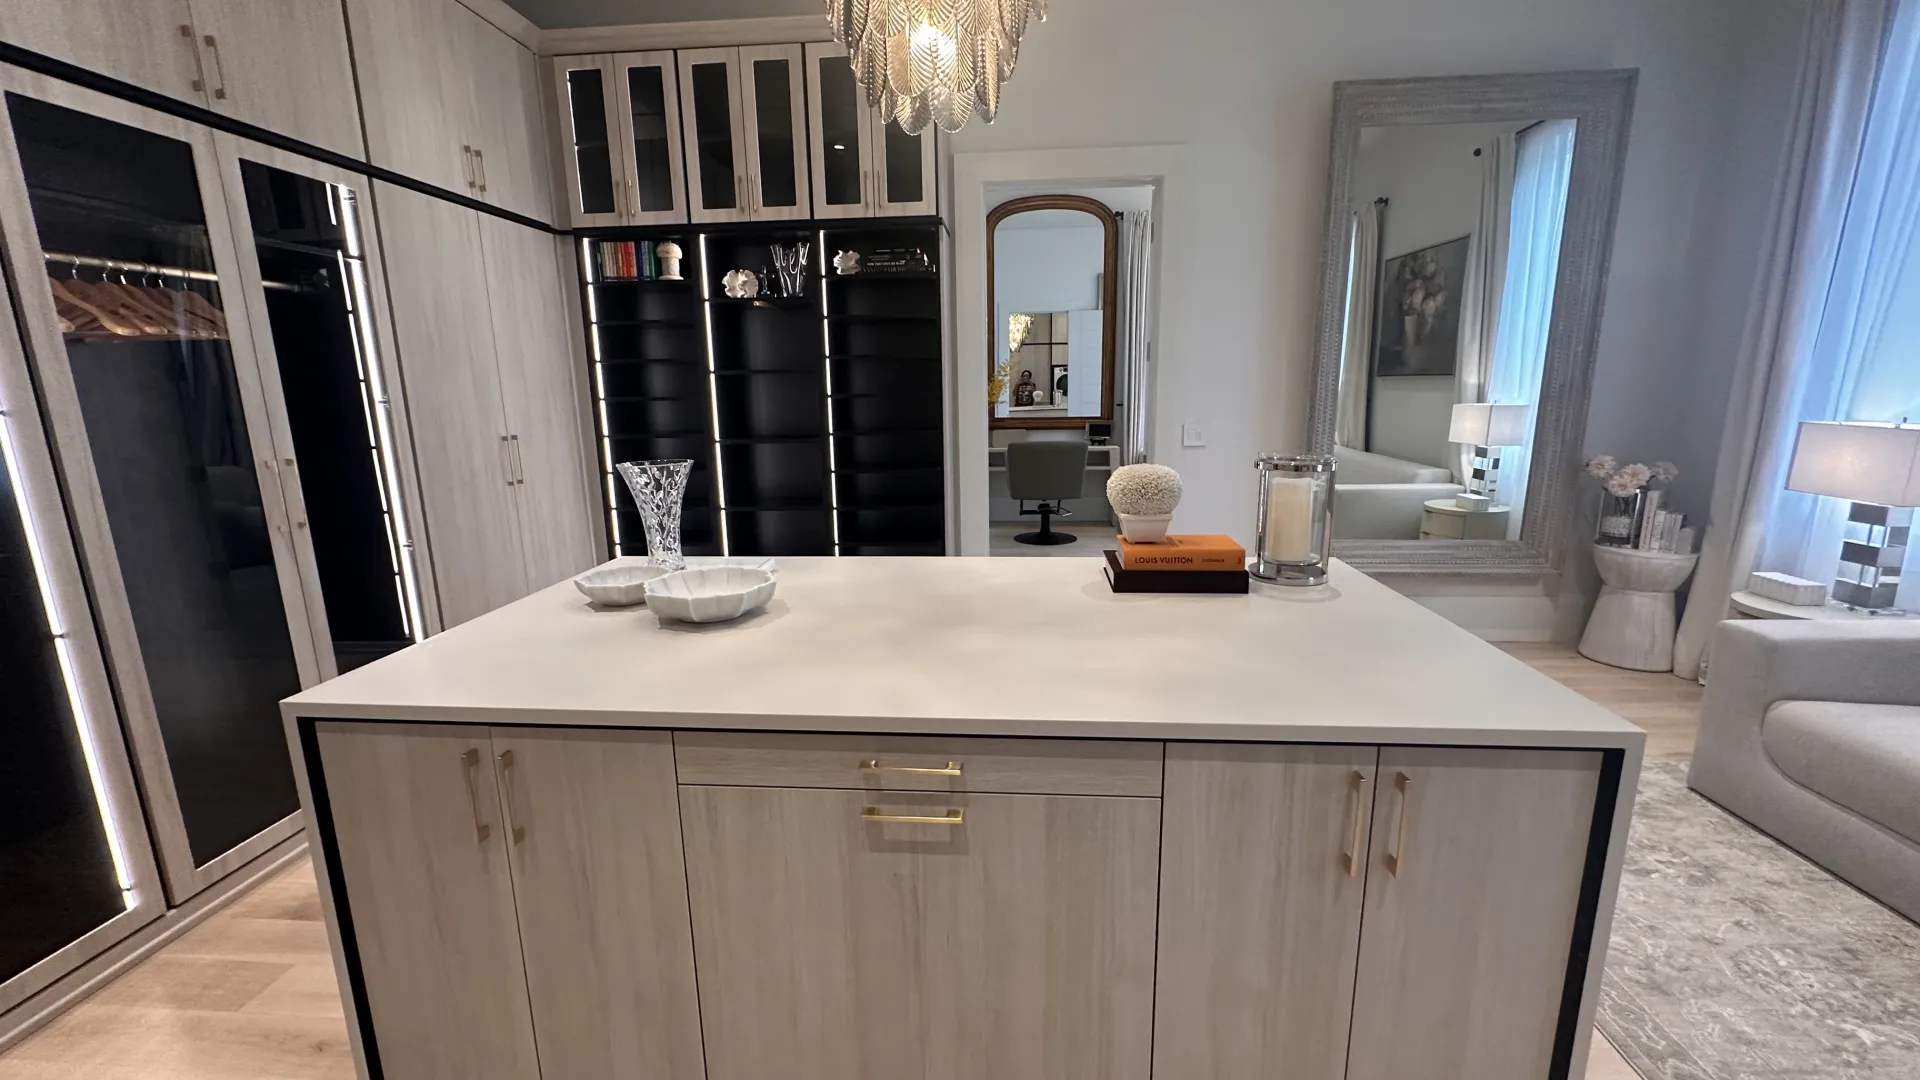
x=659 y=487
x=1619 y=517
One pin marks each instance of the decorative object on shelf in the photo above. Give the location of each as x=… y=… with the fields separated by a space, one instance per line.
x=846 y=263
x=668 y=254
x=924 y=63
x=1876 y=468
x=1296 y=518
x=1487 y=427
x=1631 y=510
x=1144 y=496
x=1632 y=622
x=659 y=488
x=1787 y=589
x=790 y=268
x=741 y=284
x=707 y=594
x=617 y=586
x=1024 y=390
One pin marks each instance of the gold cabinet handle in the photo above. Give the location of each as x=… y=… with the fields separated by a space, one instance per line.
x=504 y=761
x=519 y=460
x=955 y=816
x=1397 y=860
x=466 y=158
x=872 y=765
x=1357 y=805
x=506 y=456
x=219 y=70
x=480 y=169
x=471 y=763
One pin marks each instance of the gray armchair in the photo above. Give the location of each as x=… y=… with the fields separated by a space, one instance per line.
x=1811 y=732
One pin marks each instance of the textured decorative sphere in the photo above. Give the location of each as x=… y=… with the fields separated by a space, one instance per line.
x=1144 y=489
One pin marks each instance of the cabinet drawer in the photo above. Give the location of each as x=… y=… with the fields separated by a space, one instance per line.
x=918 y=763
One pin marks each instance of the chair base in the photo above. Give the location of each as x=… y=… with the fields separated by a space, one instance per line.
x=1045 y=538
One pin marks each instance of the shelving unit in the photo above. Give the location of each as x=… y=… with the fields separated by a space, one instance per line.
x=815 y=421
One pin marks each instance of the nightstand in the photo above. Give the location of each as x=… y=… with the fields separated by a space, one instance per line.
x=1751 y=605
x=1440 y=519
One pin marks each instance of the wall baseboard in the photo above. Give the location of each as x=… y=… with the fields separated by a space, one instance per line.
x=70 y=990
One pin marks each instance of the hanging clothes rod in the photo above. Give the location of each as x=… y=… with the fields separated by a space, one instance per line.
x=149 y=268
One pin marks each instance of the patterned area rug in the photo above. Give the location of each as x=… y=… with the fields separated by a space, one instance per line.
x=1734 y=958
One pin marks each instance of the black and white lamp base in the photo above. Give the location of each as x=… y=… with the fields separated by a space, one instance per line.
x=1871 y=556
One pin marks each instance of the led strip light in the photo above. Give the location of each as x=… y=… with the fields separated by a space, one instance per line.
x=600 y=398
x=713 y=394
x=826 y=358
x=63 y=649
x=377 y=408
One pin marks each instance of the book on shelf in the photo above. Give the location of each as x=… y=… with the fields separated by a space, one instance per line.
x=1184 y=554
x=627 y=260
x=1122 y=580
x=1649 y=511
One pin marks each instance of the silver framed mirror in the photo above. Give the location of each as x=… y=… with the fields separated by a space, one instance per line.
x=1469 y=231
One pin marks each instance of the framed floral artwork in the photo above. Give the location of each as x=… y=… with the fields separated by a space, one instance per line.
x=1419 y=331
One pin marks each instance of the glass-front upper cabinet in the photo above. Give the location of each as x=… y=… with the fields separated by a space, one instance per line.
x=862 y=167
x=621 y=120
x=741 y=121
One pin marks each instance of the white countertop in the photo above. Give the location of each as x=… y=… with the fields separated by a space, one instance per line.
x=978 y=646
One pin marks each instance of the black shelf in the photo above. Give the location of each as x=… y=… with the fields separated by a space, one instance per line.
x=874 y=337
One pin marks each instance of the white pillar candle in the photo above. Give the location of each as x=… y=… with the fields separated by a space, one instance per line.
x=1289 y=520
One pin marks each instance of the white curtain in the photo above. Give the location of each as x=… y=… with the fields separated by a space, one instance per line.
x=1356 y=349
x=1480 y=294
x=1798 y=268
x=1134 y=330
x=1543 y=167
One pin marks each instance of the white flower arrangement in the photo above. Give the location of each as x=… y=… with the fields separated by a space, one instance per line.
x=1624 y=480
x=1144 y=489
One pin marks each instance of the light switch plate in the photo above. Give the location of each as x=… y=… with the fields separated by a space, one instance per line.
x=1191 y=435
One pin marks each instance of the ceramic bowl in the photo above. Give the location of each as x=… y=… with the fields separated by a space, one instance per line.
x=617 y=586
x=704 y=594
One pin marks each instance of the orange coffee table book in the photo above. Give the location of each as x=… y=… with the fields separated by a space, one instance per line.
x=1192 y=552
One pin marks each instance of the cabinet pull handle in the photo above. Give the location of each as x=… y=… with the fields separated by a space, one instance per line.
x=872 y=765
x=470 y=761
x=199 y=62
x=480 y=169
x=1357 y=802
x=1397 y=860
x=519 y=461
x=864 y=203
x=219 y=71
x=955 y=816
x=506 y=457
x=466 y=164
x=514 y=828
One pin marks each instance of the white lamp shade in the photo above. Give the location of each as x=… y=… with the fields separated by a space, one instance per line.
x=1482 y=424
x=1869 y=463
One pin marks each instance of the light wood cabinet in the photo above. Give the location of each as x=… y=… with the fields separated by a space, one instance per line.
x=1473 y=886
x=621 y=119
x=503 y=124
x=283 y=66
x=594 y=835
x=548 y=432
x=742 y=126
x=437 y=273
x=1012 y=943
x=1263 y=853
x=862 y=165
x=423 y=851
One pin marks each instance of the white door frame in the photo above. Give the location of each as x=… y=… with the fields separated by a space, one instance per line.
x=985 y=179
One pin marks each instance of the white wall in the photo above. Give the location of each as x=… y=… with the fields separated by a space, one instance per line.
x=1246 y=86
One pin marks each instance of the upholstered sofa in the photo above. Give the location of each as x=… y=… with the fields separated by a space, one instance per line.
x=1379 y=497
x=1811 y=732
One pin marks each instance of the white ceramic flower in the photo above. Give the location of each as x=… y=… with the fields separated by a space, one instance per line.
x=741 y=284
x=1144 y=489
x=846 y=262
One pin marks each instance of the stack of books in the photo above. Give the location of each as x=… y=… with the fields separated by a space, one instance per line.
x=1178 y=564
x=1662 y=529
x=896 y=261
x=627 y=260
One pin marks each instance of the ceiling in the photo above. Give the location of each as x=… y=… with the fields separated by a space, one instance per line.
x=561 y=14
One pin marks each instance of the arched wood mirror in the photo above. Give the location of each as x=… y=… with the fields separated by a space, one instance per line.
x=1051 y=262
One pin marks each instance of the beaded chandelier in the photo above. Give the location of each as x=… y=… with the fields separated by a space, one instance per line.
x=933 y=61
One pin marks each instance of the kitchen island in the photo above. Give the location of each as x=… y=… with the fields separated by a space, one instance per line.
x=966 y=819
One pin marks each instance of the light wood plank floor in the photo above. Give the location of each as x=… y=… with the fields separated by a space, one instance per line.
x=250 y=993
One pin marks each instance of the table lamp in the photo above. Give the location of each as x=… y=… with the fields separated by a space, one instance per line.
x=1487 y=428
x=1876 y=467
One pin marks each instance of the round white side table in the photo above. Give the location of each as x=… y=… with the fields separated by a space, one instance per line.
x=1632 y=623
x=1754 y=606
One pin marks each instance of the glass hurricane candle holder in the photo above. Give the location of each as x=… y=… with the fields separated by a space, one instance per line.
x=659 y=487
x=1296 y=518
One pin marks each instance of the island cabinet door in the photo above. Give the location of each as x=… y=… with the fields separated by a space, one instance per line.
x=1261 y=880
x=1473 y=884
x=593 y=833
x=423 y=857
x=940 y=937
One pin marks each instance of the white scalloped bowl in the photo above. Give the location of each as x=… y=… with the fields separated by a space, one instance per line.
x=705 y=594
x=617 y=586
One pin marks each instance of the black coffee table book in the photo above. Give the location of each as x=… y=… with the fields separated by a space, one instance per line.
x=1172 y=581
